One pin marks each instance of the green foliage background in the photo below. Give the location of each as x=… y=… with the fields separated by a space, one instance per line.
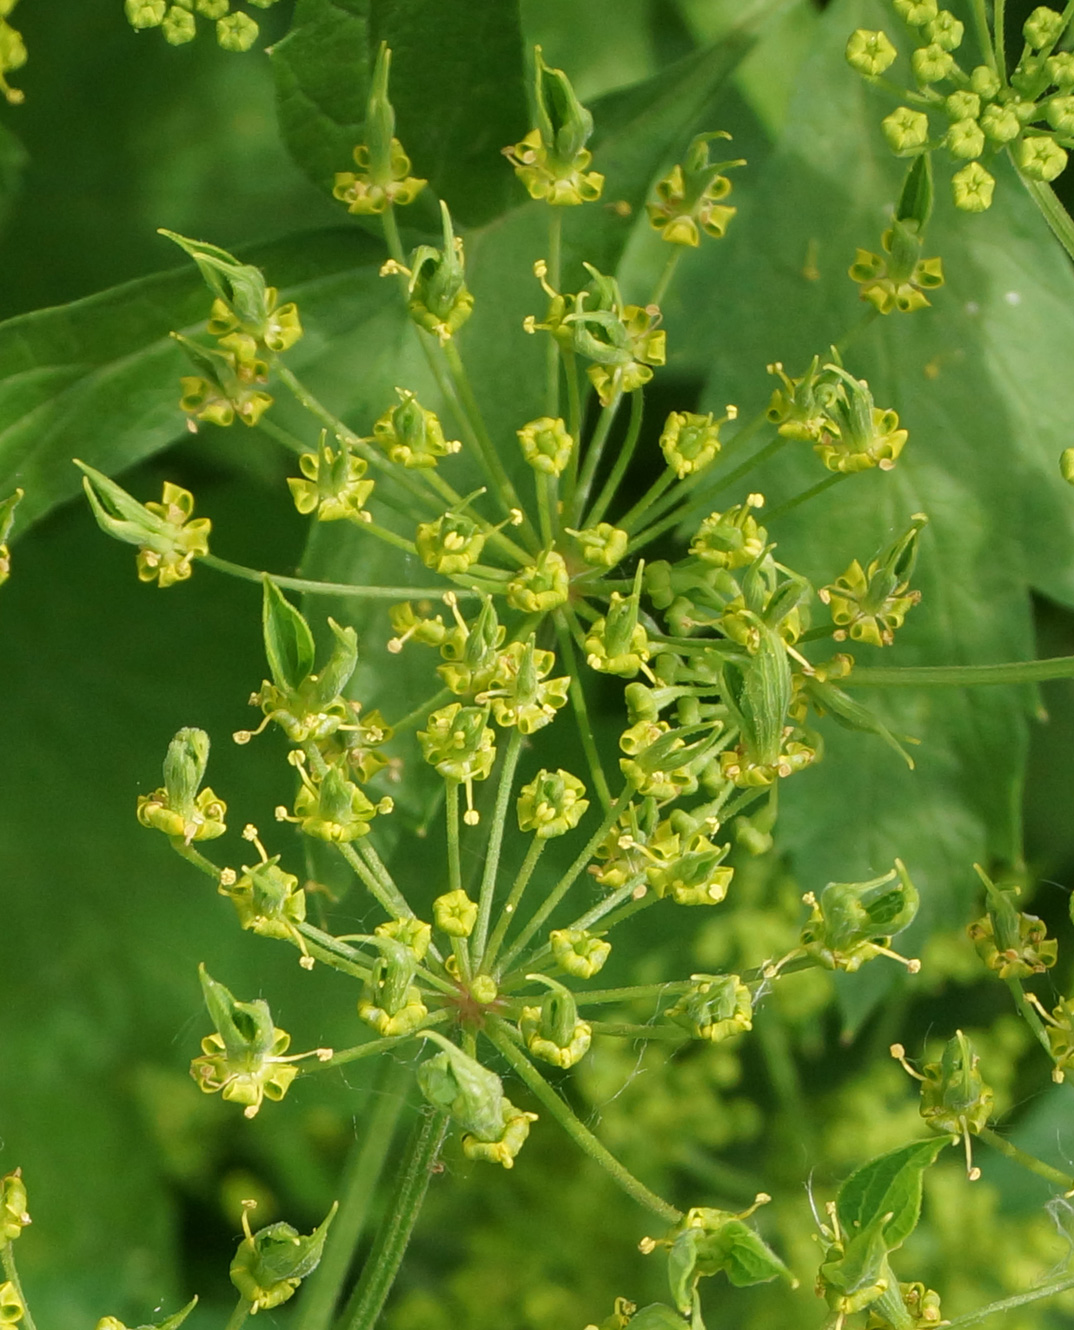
x=133 y=1175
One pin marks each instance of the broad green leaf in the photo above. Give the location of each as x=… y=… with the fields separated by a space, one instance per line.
x=979 y=382
x=891 y=1185
x=100 y=378
x=457 y=85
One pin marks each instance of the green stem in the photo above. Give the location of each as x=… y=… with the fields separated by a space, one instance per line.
x=806 y=495
x=579 y=1133
x=568 y=879
x=574 y=426
x=1030 y=1015
x=660 y=290
x=512 y=903
x=542 y=484
x=1009 y=1304
x=239 y=1315
x=578 y=702
x=1027 y=1161
x=7 y=1258
x=321 y=1291
x=999 y=23
x=648 y=500
x=421 y=713
x=196 y=858
x=490 y=459
x=323 y=947
x=961 y=676
x=379 y=1272
x=390 y=900
x=622 y=461
x=639 y=993
x=452 y=818
x=984 y=36
x=555 y=250
x=1057 y=217
x=290 y=441
x=330 y=588
x=623 y=1030
x=492 y=852
x=374 y=1047
x=593 y=456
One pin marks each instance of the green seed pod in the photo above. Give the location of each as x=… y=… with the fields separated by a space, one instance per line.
x=438 y=298
x=473 y=1095
x=551 y=160
x=13 y=1213
x=271 y=1263
x=1009 y=941
x=954 y=1097
x=244 y=1060
x=552 y=1031
x=383 y=179
x=851 y=922
x=390 y=1002
x=717 y=1007
x=542 y=586
x=179 y=809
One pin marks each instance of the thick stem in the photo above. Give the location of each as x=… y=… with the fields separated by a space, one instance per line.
x=492 y=853
x=999 y=22
x=962 y=676
x=579 y=1133
x=1029 y=1014
x=379 y=1272
x=806 y=495
x=984 y=35
x=1057 y=217
x=321 y=1291
x=454 y=858
x=1027 y=1161
x=660 y=290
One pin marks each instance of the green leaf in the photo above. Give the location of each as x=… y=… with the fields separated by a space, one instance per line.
x=288 y=641
x=891 y=1185
x=657 y=1316
x=100 y=377
x=981 y=383
x=749 y=1259
x=457 y=86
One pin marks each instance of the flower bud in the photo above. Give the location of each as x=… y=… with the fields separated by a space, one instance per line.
x=460 y=745
x=1060 y=69
x=932 y=63
x=551 y=804
x=236 y=32
x=178 y=26
x=870 y=53
x=333 y=808
x=412 y=933
x=455 y=913
x=945 y=31
x=906 y=131
x=578 y=952
x=145 y=13
x=965 y=139
x=1000 y=124
x=732 y=539
x=1043 y=27
x=973 y=188
x=268 y=901
x=546 y=445
x=915 y=12
x=1040 y=157
x=690 y=442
